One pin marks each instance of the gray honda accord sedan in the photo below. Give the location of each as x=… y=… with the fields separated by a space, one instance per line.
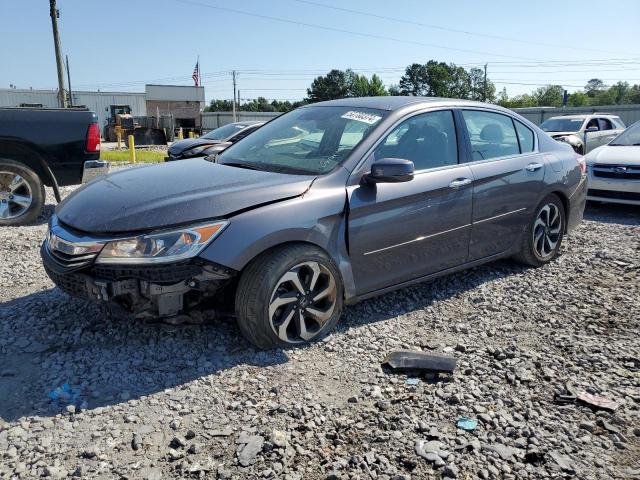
x=324 y=206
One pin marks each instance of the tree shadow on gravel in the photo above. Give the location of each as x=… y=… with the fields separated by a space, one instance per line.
x=49 y=339
x=613 y=213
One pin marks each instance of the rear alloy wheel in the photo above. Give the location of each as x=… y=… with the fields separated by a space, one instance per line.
x=289 y=296
x=543 y=237
x=547 y=231
x=21 y=194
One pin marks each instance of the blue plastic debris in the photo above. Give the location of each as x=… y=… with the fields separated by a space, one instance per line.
x=412 y=381
x=468 y=424
x=65 y=395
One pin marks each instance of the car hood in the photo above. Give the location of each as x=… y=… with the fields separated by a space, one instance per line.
x=180 y=146
x=173 y=193
x=561 y=134
x=615 y=155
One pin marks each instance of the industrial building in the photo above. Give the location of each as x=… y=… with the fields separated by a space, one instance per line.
x=183 y=102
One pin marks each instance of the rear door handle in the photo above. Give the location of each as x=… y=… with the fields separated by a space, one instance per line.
x=532 y=167
x=460 y=182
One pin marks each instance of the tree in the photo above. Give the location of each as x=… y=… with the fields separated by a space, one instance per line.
x=415 y=80
x=395 y=90
x=334 y=84
x=376 y=87
x=219 y=106
x=549 y=96
x=593 y=87
x=578 y=99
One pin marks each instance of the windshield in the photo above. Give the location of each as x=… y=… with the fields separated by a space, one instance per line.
x=631 y=136
x=309 y=140
x=224 y=132
x=562 y=124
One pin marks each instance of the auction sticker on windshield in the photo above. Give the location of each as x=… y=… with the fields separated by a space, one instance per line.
x=368 y=118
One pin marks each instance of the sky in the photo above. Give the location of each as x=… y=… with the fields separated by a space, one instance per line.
x=279 y=46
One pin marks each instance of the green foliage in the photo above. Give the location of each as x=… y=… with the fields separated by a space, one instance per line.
x=219 y=106
x=342 y=84
x=439 y=79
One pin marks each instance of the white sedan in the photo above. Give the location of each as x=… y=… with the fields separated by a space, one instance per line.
x=614 y=169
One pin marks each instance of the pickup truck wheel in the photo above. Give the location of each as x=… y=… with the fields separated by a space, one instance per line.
x=289 y=296
x=21 y=193
x=544 y=234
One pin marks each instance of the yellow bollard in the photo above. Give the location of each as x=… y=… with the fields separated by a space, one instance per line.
x=132 y=149
x=180 y=135
x=191 y=134
x=119 y=137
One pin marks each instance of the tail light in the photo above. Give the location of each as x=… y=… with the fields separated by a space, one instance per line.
x=93 y=138
x=581 y=163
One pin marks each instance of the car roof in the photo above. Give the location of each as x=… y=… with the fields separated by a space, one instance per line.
x=395 y=103
x=580 y=116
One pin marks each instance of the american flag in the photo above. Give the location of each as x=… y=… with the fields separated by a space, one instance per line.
x=196 y=74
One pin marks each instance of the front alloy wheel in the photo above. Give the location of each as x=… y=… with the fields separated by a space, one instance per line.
x=288 y=296
x=302 y=302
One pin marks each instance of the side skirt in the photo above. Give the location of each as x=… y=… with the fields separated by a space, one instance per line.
x=431 y=276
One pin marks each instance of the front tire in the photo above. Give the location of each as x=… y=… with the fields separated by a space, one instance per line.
x=544 y=234
x=289 y=296
x=21 y=194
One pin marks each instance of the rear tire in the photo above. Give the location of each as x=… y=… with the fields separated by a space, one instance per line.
x=289 y=296
x=543 y=237
x=22 y=194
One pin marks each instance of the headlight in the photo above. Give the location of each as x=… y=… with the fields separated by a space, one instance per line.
x=161 y=247
x=195 y=151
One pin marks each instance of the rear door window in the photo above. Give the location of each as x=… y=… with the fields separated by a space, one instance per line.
x=605 y=124
x=492 y=135
x=525 y=137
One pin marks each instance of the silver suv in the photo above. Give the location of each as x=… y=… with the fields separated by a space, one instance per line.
x=598 y=129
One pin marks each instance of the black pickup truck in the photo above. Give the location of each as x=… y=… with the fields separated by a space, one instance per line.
x=44 y=147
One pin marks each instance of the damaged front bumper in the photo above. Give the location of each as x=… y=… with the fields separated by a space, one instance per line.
x=148 y=291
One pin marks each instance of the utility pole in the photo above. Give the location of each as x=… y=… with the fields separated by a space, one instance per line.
x=484 y=89
x=238 y=104
x=69 y=81
x=234 y=95
x=53 y=11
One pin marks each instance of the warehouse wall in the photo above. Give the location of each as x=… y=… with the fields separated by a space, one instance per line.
x=97 y=102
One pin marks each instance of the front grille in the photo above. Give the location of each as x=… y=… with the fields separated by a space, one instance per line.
x=154 y=273
x=71 y=283
x=614 y=194
x=71 y=262
x=618 y=172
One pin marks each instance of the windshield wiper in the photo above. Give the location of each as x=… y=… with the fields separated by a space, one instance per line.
x=248 y=166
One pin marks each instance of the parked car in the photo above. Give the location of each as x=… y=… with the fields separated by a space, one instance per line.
x=397 y=190
x=38 y=147
x=599 y=128
x=211 y=143
x=614 y=169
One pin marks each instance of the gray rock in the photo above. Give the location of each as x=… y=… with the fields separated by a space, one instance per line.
x=248 y=452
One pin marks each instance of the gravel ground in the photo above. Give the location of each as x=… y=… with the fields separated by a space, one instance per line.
x=157 y=401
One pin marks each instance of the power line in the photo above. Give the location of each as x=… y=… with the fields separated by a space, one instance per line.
x=453 y=30
x=349 y=32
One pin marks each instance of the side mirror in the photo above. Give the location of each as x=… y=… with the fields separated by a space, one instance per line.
x=591 y=129
x=390 y=170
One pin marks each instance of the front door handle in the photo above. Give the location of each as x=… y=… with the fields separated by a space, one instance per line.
x=460 y=182
x=532 y=167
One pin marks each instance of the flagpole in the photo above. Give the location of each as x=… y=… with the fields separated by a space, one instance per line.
x=199 y=70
